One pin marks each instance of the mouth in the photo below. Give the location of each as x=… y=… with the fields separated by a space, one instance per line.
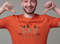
x=30 y=8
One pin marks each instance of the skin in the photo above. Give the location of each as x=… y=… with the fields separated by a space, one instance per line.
x=29 y=6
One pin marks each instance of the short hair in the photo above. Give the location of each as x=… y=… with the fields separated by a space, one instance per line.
x=22 y=0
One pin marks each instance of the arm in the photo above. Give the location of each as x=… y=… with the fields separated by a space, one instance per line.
x=51 y=6
x=54 y=22
x=57 y=10
x=6 y=7
x=3 y=22
x=2 y=10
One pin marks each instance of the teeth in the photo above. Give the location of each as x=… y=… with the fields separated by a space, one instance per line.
x=29 y=8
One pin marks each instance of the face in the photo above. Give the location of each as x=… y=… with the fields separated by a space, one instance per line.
x=29 y=6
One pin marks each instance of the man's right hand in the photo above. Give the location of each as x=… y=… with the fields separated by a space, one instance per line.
x=7 y=6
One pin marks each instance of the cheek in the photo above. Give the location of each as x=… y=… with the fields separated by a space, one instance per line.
x=34 y=4
x=23 y=4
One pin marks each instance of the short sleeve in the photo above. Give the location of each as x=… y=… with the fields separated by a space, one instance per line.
x=3 y=22
x=54 y=22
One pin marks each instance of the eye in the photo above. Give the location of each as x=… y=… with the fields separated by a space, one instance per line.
x=33 y=1
x=25 y=1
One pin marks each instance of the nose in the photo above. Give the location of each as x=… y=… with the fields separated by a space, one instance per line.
x=29 y=3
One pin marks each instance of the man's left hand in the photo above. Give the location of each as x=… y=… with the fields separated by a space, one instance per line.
x=49 y=5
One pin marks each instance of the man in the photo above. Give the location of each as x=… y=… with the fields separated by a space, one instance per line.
x=29 y=28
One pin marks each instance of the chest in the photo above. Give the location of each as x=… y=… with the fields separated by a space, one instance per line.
x=29 y=28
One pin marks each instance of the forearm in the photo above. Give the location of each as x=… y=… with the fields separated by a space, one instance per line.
x=1 y=10
x=57 y=10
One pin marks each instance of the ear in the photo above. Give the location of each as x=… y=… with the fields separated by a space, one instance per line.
x=21 y=3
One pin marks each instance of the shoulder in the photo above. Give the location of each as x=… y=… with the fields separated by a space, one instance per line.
x=47 y=16
x=10 y=17
x=43 y=15
x=13 y=16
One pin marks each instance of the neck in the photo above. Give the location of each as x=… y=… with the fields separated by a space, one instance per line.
x=28 y=15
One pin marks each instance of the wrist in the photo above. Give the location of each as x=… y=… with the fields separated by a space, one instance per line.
x=2 y=8
x=54 y=8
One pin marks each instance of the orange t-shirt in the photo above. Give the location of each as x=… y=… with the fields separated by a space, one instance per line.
x=29 y=30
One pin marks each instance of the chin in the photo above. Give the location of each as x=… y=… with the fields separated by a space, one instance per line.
x=29 y=12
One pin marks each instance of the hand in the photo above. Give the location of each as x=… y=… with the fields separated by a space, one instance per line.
x=49 y=5
x=7 y=6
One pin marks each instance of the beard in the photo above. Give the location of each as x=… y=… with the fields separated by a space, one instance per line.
x=29 y=12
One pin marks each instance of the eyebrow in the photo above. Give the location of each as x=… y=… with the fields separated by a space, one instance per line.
x=31 y=0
